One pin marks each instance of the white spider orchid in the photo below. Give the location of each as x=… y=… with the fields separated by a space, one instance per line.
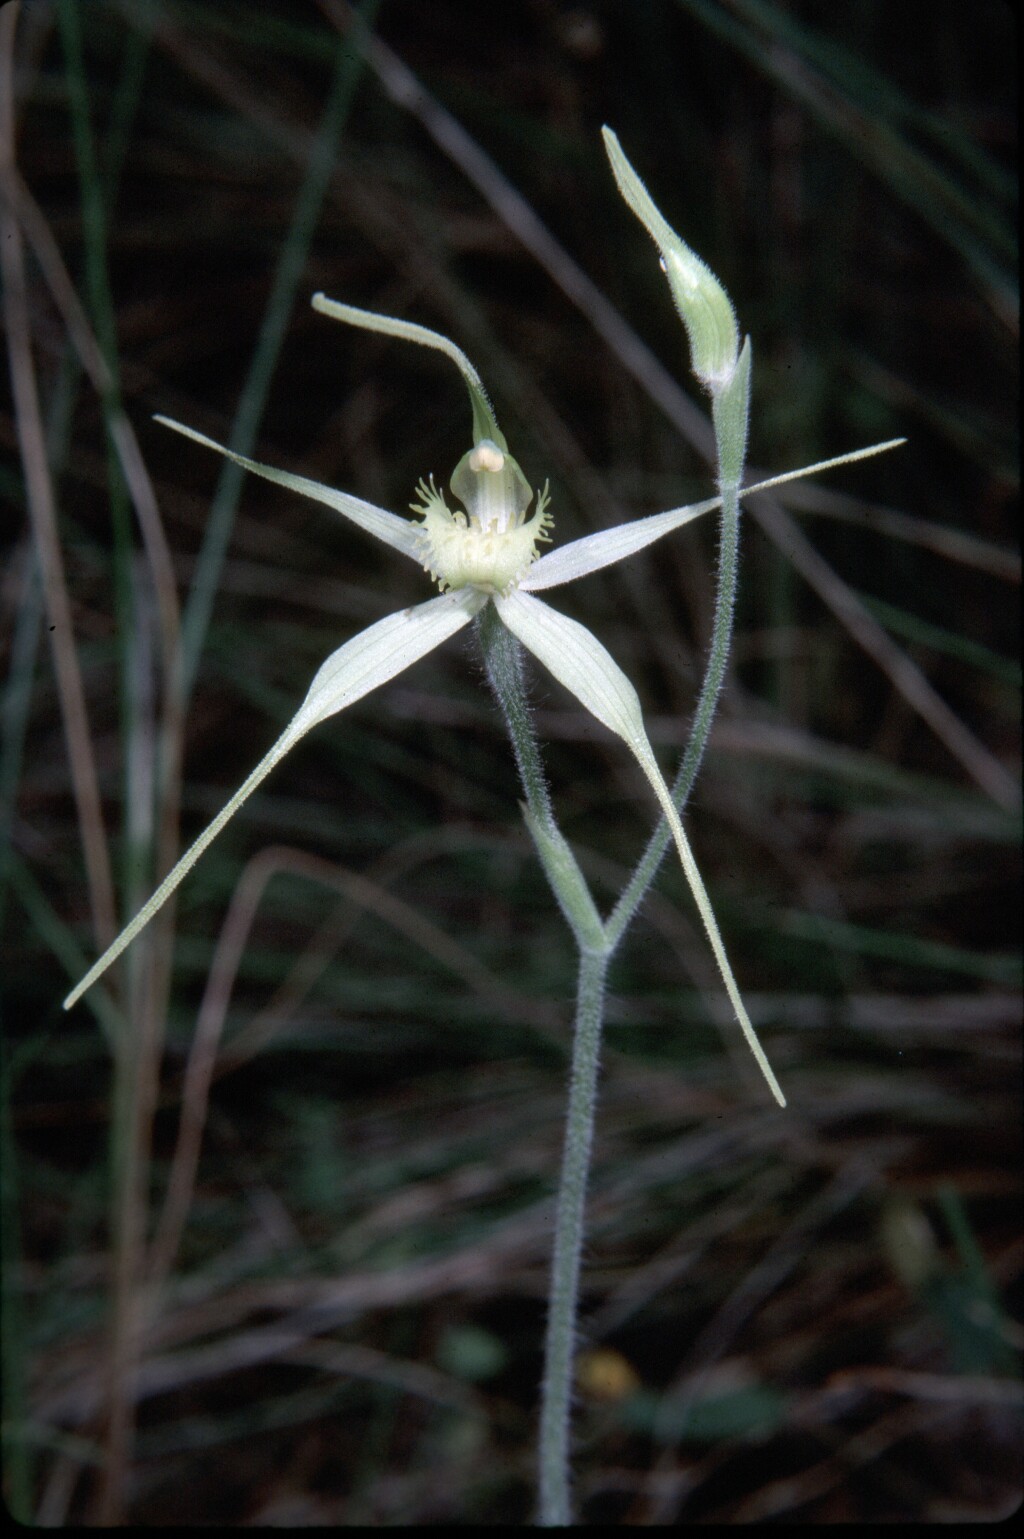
x=486 y=554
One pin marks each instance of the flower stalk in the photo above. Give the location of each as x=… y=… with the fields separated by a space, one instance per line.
x=554 y=1499
x=503 y=659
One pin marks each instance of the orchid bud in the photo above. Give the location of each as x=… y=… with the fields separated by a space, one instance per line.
x=704 y=306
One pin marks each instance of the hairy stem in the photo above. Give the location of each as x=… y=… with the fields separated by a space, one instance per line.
x=503 y=659
x=504 y=664
x=556 y=1394
x=730 y=420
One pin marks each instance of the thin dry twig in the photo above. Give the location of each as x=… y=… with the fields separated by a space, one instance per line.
x=143 y=497
x=140 y=488
x=951 y=544
x=306 y=1308
x=865 y=1447
x=139 y=1053
x=786 y=1253
x=366 y=895
x=43 y=515
x=955 y=1388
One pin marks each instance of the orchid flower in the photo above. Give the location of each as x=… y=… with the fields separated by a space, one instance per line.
x=484 y=552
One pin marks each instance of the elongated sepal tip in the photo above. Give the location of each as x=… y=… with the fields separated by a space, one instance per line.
x=485 y=423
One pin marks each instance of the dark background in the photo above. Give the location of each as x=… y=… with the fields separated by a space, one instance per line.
x=802 y=1315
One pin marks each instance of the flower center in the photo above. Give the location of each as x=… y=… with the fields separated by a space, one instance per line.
x=492 y=544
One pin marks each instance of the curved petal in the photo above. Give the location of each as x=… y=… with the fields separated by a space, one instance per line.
x=400 y=533
x=368 y=660
x=581 y=557
x=579 y=661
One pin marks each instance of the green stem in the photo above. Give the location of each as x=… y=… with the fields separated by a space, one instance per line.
x=729 y=413
x=290 y=267
x=646 y=870
x=597 y=941
x=556 y=1392
x=504 y=662
x=503 y=659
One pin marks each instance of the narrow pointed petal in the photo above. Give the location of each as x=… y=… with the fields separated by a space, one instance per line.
x=384 y=650
x=579 y=661
x=400 y=533
x=581 y=557
x=368 y=660
x=815 y=469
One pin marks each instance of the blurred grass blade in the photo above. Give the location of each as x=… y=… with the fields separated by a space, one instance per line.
x=984 y=242
x=290 y=266
x=42 y=507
